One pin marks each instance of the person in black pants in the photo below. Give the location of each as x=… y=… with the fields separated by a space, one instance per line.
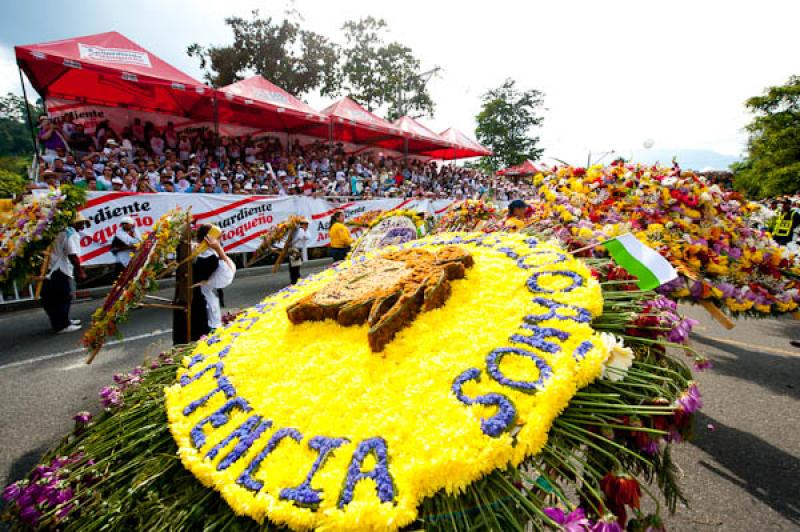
x=64 y=268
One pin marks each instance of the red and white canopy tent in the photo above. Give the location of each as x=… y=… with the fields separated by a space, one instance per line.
x=353 y=124
x=420 y=139
x=461 y=146
x=527 y=168
x=108 y=69
x=260 y=103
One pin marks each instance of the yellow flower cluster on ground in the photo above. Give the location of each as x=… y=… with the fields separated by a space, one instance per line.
x=304 y=425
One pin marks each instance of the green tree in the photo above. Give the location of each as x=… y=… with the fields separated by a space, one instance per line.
x=772 y=165
x=379 y=74
x=296 y=59
x=505 y=122
x=15 y=135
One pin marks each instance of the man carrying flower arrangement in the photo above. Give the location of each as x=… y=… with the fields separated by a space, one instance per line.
x=58 y=285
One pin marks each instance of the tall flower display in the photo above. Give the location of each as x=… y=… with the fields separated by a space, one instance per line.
x=139 y=277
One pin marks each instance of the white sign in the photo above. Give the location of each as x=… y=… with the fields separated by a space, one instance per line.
x=118 y=56
x=243 y=219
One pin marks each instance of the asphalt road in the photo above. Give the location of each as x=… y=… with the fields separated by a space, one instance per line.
x=741 y=472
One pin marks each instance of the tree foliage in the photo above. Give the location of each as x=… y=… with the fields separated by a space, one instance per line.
x=15 y=135
x=379 y=74
x=772 y=166
x=282 y=51
x=505 y=122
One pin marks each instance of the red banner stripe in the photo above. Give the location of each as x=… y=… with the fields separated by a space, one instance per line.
x=403 y=204
x=246 y=239
x=105 y=198
x=226 y=208
x=96 y=253
x=444 y=209
x=331 y=211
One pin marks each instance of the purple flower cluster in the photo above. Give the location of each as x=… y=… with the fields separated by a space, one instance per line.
x=506 y=412
x=46 y=489
x=576 y=521
x=668 y=317
x=496 y=356
x=690 y=401
x=534 y=286
x=379 y=474
x=111 y=397
x=304 y=495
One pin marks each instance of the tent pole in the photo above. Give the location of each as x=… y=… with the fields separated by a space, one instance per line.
x=405 y=151
x=216 y=126
x=28 y=113
x=330 y=134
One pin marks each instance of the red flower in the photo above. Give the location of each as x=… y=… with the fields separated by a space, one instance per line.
x=620 y=491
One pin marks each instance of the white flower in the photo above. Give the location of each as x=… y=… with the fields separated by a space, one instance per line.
x=620 y=358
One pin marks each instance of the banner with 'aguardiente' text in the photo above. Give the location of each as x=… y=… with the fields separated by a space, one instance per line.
x=243 y=219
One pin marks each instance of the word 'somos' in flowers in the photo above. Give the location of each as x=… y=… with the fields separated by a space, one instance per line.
x=303 y=424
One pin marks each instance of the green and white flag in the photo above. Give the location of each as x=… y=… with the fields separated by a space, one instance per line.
x=646 y=264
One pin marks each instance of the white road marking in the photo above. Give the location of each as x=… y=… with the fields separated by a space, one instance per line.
x=157 y=332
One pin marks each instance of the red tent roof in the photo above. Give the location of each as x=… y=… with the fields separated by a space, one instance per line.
x=420 y=138
x=526 y=168
x=260 y=103
x=462 y=146
x=354 y=124
x=110 y=69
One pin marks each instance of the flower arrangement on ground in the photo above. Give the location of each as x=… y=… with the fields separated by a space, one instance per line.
x=34 y=225
x=150 y=259
x=513 y=384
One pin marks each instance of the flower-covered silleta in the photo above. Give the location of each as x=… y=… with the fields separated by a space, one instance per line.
x=139 y=277
x=32 y=227
x=705 y=231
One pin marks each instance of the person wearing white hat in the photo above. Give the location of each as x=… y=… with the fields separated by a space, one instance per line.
x=63 y=268
x=124 y=243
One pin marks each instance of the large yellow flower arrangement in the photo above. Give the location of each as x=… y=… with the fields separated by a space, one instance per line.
x=306 y=426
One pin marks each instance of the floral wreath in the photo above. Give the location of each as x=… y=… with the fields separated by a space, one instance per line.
x=140 y=277
x=273 y=236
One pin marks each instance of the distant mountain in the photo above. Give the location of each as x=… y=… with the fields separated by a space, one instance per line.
x=688 y=159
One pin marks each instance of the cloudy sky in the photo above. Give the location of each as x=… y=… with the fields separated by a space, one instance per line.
x=614 y=73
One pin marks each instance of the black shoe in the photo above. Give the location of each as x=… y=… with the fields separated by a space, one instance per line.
x=795 y=343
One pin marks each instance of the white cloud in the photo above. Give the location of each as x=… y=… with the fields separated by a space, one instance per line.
x=9 y=75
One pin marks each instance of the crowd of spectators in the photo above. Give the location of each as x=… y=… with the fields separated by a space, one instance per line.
x=145 y=158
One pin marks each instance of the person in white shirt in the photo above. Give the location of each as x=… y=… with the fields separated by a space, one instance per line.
x=297 y=250
x=124 y=243
x=63 y=269
x=212 y=270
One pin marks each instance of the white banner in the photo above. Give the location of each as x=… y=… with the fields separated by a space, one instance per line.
x=243 y=219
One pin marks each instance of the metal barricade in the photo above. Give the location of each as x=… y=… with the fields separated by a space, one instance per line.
x=13 y=294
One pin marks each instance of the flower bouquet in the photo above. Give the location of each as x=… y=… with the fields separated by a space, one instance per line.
x=520 y=387
x=149 y=260
x=34 y=225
